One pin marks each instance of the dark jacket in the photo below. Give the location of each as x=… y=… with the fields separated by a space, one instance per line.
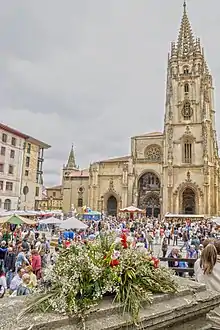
x=10 y=259
x=3 y=252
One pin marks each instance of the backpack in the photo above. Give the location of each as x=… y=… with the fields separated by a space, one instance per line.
x=22 y=291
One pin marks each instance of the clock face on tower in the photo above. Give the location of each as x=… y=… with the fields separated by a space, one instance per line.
x=187 y=111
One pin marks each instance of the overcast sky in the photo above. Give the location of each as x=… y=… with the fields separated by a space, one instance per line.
x=92 y=72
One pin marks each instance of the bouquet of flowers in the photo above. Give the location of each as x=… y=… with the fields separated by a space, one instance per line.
x=84 y=274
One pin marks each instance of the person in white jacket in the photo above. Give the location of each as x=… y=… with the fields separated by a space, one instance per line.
x=207 y=271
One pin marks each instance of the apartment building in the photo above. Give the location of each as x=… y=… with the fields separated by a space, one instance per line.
x=32 y=174
x=21 y=169
x=11 y=160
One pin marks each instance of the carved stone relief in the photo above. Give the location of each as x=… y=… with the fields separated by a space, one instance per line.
x=111 y=184
x=188 y=176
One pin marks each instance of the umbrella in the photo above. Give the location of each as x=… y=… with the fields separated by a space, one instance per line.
x=73 y=223
x=50 y=221
x=16 y=220
x=131 y=209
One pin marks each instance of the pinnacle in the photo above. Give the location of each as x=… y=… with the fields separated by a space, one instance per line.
x=71 y=160
x=185 y=42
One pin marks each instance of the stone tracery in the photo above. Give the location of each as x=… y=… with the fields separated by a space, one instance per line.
x=153 y=153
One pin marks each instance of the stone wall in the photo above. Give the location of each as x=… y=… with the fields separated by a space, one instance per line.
x=186 y=308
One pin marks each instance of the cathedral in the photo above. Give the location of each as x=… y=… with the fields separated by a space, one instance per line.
x=175 y=171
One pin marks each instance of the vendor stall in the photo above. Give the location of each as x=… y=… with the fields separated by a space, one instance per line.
x=131 y=210
x=92 y=215
x=184 y=218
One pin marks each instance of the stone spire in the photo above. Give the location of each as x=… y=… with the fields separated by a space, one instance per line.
x=71 y=164
x=185 y=43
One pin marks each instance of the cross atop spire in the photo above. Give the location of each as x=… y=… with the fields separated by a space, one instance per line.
x=71 y=164
x=185 y=42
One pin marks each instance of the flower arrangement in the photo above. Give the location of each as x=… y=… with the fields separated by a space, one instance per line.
x=84 y=274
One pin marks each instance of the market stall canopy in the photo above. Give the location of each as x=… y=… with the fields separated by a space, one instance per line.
x=73 y=223
x=50 y=221
x=16 y=220
x=132 y=209
x=171 y=215
x=92 y=215
x=4 y=213
x=216 y=220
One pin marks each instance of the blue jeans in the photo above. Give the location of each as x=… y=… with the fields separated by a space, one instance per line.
x=9 y=277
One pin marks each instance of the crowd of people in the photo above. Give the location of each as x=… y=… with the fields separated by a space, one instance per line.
x=23 y=254
x=25 y=251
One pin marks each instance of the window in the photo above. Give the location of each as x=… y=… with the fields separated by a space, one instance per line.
x=37 y=191
x=1 y=185
x=187 y=157
x=187 y=111
x=80 y=202
x=27 y=161
x=7 y=205
x=28 y=148
x=54 y=193
x=3 y=149
x=4 y=138
x=12 y=154
x=13 y=141
x=10 y=169
x=186 y=70
x=153 y=153
x=1 y=168
x=186 y=88
x=9 y=186
x=26 y=172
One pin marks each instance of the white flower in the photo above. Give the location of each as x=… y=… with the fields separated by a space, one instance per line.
x=130 y=239
x=118 y=240
x=115 y=255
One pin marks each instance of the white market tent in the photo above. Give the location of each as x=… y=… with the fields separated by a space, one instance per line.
x=50 y=221
x=73 y=223
x=171 y=215
x=4 y=213
x=216 y=220
x=131 y=209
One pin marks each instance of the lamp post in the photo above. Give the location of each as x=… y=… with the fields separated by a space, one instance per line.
x=161 y=201
x=136 y=195
x=51 y=203
x=102 y=204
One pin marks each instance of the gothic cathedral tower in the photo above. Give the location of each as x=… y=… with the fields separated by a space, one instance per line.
x=191 y=164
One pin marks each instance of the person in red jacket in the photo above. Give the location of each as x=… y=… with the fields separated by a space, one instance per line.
x=36 y=263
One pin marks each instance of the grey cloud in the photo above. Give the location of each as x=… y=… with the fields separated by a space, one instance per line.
x=92 y=73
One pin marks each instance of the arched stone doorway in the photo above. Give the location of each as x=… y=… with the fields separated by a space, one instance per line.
x=112 y=205
x=188 y=201
x=149 y=194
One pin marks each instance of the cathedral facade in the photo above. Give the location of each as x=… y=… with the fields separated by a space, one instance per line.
x=174 y=171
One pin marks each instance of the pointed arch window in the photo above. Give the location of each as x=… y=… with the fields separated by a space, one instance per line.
x=187 y=152
x=186 y=88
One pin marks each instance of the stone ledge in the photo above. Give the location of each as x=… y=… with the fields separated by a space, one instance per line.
x=190 y=302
